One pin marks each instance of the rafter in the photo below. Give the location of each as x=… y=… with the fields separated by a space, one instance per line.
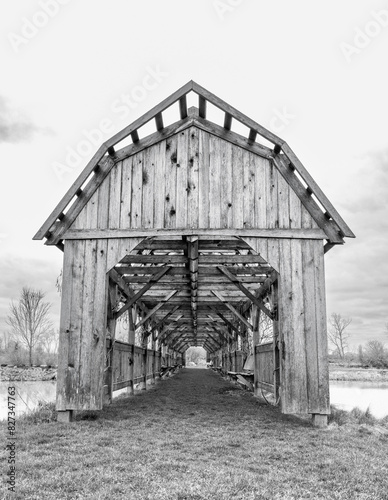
x=232 y=309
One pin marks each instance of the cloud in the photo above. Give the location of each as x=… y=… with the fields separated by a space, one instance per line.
x=15 y=128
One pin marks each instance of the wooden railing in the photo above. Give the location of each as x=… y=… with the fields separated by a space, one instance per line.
x=264 y=364
x=129 y=365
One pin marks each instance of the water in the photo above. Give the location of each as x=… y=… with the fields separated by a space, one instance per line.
x=345 y=395
x=28 y=395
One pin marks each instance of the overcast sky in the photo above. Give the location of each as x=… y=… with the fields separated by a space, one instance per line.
x=314 y=73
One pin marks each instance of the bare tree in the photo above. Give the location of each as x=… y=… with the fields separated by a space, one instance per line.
x=337 y=334
x=29 y=319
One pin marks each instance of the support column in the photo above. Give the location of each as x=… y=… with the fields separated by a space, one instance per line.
x=255 y=340
x=111 y=326
x=65 y=417
x=131 y=340
x=319 y=420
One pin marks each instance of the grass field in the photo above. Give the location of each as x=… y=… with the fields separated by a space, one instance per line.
x=195 y=436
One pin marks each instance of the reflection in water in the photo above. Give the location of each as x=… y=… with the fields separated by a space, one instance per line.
x=28 y=395
x=347 y=395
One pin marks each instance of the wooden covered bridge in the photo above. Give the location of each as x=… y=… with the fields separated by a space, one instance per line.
x=199 y=234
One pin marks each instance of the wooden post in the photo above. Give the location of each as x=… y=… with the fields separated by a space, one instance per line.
x=65 y=417
x=319 y=420
x=255 y=340
x=112 y=297
x=131 y=340
x=276 y=342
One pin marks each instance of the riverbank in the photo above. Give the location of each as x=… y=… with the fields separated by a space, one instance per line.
x=197 y=436
x=27 y=374
x=357 y=374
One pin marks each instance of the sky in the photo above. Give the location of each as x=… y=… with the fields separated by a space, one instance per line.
x=315 y=73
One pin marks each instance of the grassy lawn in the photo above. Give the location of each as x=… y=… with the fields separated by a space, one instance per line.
x=195 y=436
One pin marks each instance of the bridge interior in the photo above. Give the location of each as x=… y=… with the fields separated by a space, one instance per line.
x=194 y=290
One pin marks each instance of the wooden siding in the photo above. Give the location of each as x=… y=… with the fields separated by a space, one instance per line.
x=302 y=322
x=194 y=180
x=82 y=335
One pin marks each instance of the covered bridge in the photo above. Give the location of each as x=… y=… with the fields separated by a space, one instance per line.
x=199 y=234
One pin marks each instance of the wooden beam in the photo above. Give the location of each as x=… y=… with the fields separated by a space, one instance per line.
x=159 y=122
x=328 y=226
x=259 y=303
x=140 y=293
x=156 y=308
x=224 y=106
x=297 y=164
x=81 y=234
x=125 y=288
x=183 y=107
x=228 y=121
x=202 y=106
x=232 y=309
x=162 y=320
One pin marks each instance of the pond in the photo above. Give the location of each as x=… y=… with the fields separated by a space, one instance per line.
x=347 y=395
x=344 y=395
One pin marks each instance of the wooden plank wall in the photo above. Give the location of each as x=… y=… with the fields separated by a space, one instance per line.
x=82 y=336
x=302 y=322
x=194 y=180
x=264 y=378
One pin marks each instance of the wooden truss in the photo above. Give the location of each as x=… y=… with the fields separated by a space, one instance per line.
x=193 y=290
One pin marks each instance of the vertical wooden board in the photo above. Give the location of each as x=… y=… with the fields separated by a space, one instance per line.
x=272 y=197
x=286 y=328
x=115 y=196
x=103 y=204
x=73 y=368
x=159 y=184
x=203 y=188
x=92 y=211
x=137 y=189
x=126 y=193
x=226 y=186
x=193 y=180
x=306 y=220
x=261 y=175
x=310 y=325
x=295 y=209
x=170 y=182
x=148 y=187
x=114 y=204
x=238 y=188
x=86 y=338
x=98 y=339
x=273 y=253
x=299 y=376
x=182 y=179
x=248 y=190
x=283 y=202
x=215 y=182
x=65 y=324
x=320 y=305
x=80 y=221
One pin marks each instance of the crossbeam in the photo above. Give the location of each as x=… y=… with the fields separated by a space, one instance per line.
x=232 y=309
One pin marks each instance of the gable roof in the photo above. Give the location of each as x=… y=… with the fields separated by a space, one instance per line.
x=282 y=156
